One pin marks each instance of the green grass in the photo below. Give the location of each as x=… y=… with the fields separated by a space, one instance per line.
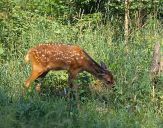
x=129 y=105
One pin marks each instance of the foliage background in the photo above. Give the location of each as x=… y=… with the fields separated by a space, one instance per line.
x=97 y=26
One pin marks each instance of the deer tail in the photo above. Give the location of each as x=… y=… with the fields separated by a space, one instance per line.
x=27 y=58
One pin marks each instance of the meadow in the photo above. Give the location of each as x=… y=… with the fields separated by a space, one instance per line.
x=132 y=103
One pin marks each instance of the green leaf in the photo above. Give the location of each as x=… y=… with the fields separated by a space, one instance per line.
x=1 y=50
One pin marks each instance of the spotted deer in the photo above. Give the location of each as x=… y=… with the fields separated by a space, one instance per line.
x=46 y=57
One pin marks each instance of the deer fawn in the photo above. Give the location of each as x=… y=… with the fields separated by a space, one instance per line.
x=46 y=57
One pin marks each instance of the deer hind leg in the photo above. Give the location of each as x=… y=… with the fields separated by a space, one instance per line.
x=41 y=76
x=34 y=75
x=38 y=82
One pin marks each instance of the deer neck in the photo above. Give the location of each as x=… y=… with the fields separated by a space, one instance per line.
x=94 y=68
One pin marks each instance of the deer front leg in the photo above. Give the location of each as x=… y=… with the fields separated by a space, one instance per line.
x=71 y=77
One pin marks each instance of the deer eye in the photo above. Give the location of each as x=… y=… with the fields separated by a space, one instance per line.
x=108 y=82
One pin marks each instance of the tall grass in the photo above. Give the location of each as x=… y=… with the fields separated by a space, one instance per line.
x=129 y=104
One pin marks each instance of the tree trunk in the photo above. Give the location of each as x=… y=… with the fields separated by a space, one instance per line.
x=155 y=65
x=126 y=23
x=161 y=67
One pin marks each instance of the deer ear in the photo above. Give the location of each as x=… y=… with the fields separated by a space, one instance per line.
x=103 y=65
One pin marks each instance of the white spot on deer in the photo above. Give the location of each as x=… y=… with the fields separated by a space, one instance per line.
x=69 y=62
x=82 y=57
